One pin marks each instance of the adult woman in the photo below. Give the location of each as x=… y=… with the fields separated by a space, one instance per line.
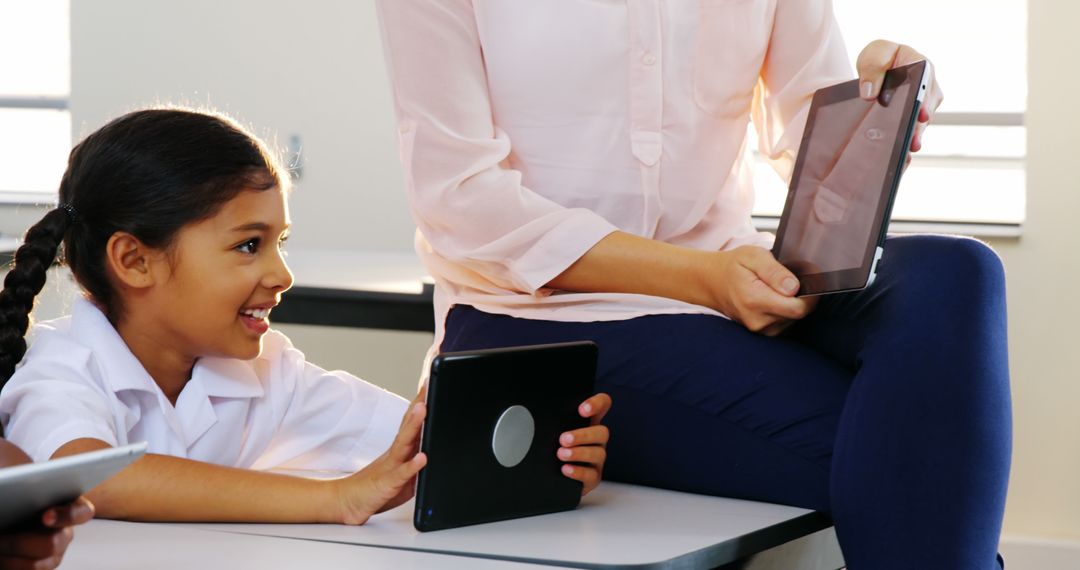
x=579 y=170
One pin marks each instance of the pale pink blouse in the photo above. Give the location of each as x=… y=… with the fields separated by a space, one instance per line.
x=531 y=129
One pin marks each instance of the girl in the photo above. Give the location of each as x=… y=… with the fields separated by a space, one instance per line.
x=172 y=222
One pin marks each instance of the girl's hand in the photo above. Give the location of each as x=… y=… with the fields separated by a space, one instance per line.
x=44 y=546
x=389 y=480
x=880 y=56
x=583 y=449
x=755 y=290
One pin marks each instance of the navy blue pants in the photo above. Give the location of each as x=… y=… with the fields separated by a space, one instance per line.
x=886 y=408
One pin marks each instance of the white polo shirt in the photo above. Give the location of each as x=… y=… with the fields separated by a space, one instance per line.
x=278 y=411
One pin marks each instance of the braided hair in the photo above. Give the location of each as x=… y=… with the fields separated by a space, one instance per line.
x=148 y=173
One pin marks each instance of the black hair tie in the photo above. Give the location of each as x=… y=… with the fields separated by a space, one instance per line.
x=72 y=215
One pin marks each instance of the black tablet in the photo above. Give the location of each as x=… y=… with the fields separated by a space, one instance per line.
x=832 y=231
x=494 y=418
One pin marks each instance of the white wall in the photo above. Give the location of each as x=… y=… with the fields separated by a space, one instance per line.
x=309 y=68
x=1043 y=269
x=316 y=69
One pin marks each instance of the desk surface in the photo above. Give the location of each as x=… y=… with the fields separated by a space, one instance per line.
x=113 y=545
x=617 y=526
x=358 y=289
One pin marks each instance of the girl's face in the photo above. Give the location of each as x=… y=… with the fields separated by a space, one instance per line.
x=224 y=275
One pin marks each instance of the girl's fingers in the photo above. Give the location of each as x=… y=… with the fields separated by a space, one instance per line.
x=408 y=437
x=592 y=435
x=421 y=396
x=406 y=471
x=393 y=480
x=596 y=407
x=589 y=476
x=591 y=454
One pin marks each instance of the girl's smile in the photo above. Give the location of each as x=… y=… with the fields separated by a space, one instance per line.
x=257 y=318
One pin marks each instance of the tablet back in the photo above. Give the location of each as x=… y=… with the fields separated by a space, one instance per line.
x=492 y=429
x=26 y=490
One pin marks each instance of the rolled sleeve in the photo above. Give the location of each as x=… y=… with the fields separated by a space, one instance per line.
x=41 y=416
x=806 y=52
x=468 y=204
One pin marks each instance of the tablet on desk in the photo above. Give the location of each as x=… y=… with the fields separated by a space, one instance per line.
x=832 y=232
x=493 y=424
x=26 y=490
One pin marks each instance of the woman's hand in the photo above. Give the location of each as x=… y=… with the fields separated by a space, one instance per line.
x=584 y=450
x=389 y=480
x=43 y=546
x=755 y=290
x=880 y=56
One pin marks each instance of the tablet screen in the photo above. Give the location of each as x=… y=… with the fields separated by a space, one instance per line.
x=847 y=169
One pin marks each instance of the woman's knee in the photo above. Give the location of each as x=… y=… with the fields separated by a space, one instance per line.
x=965 y=265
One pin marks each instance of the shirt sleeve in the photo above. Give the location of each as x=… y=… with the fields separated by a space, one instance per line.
x=806 y=52
x=48 y=403
x=472 y=209
x=331 y=421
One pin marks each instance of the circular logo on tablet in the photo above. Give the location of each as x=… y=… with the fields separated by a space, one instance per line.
x=513 y=436
x=874 y=134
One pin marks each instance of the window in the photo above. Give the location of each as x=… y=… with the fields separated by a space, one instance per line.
x=35 y=83
x=971 y=167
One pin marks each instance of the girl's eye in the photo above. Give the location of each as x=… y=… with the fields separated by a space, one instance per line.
x=250 y=246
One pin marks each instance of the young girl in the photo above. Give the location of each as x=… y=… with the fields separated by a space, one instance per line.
x=172 y=222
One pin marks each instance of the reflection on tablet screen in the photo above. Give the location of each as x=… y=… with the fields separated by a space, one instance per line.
x=839 y=187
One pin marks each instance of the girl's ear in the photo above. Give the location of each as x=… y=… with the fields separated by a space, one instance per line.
x=130 y=260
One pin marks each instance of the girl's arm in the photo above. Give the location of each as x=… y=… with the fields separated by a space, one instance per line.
x=165 y=488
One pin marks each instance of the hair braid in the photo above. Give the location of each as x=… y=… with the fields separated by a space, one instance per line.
x=23 y=283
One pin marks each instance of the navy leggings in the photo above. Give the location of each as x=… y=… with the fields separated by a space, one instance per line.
x=886 y=408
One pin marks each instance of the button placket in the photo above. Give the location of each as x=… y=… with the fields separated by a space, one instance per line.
x=646 y=101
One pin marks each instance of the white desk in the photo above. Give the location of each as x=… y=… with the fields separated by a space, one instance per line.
x=112 y=545
x=617 y=526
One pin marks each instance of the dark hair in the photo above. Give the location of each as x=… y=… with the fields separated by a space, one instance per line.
x=148 y=173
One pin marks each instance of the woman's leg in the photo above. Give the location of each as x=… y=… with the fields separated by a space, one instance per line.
x=921 y=461
x=908 y=378
x=700 y=403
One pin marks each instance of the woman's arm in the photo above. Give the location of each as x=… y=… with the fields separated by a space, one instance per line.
x=164 y=488
x=746 y=283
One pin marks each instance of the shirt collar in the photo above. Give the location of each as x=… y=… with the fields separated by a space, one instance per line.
x=218 y=377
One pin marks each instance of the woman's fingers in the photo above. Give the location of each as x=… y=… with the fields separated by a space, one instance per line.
x=761 y=263
x=874 y=60
x=880 y=56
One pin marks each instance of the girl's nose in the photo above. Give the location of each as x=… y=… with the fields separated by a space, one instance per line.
x=278 y=275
